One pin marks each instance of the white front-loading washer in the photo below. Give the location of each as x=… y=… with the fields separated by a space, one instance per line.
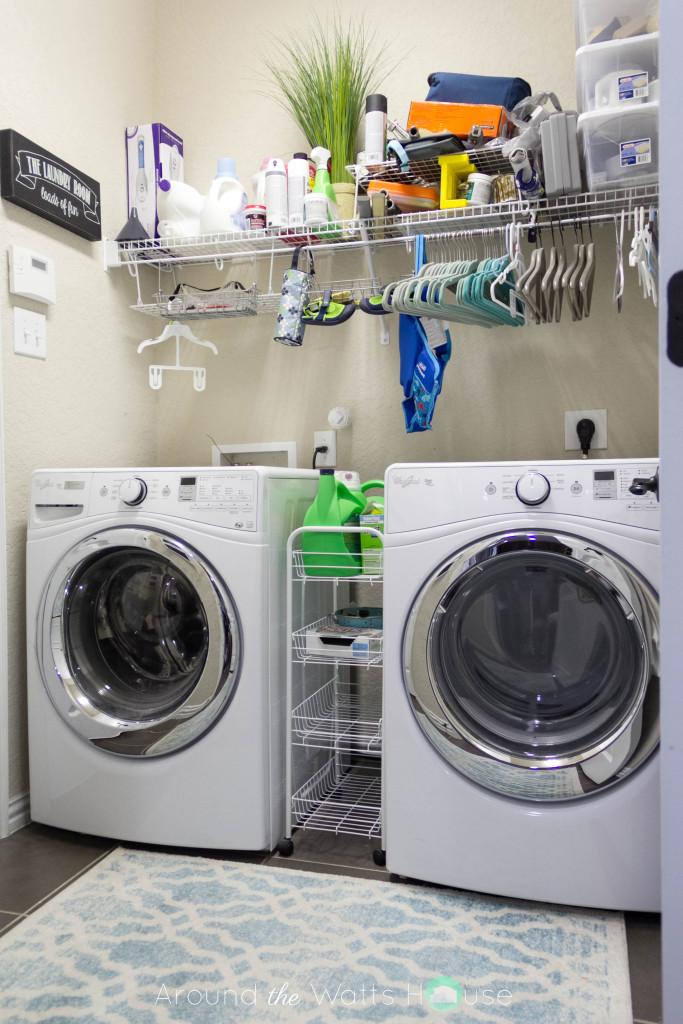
x=521 y=633
x=156 y=675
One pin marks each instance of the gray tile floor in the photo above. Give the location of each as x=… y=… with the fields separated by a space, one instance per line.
x=38 y=861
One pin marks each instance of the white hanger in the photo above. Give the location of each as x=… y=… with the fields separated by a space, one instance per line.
x=178 y=331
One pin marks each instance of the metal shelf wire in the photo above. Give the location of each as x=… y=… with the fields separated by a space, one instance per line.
x=312 y=643
x=341 y=800
x=299 y=569
x=203 y=305
x=427 y=173
x=332 y=718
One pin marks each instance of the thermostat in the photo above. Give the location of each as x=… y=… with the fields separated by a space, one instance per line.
x=31 y=275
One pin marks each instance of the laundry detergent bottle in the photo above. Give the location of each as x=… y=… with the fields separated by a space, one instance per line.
x=178 y=209
x=225 y=202
x=328 y=553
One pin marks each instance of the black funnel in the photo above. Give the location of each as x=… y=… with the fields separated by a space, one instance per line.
x=132 y=230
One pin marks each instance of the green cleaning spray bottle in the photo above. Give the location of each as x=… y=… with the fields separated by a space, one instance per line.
x=320 y=205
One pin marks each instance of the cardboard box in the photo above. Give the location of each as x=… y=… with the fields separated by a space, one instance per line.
x=460 y=118
x=153 y=152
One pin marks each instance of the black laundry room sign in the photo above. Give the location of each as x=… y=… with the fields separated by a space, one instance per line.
x=39 y=181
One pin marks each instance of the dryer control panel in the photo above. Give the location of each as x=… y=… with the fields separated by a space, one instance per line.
x=419 y=496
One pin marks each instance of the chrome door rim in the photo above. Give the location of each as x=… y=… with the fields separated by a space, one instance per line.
x=215 y=686
x=452 y=736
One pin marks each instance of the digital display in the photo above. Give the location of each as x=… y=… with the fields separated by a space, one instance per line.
x=188 y=481
x=38 y=264
x=603 y=474
x=74 y=485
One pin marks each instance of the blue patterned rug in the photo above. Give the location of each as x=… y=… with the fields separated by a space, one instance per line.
x=148 y=937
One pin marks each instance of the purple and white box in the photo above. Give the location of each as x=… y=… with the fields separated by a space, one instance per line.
x=153 y=152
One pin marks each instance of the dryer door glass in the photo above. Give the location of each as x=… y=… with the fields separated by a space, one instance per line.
x=142 y=642
x=537 y=654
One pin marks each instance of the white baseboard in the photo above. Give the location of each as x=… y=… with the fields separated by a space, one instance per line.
x=19 y=812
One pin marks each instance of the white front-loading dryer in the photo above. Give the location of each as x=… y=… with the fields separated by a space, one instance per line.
x=156 y=672
x=521 y=716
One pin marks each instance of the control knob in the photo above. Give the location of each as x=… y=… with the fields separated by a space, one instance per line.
x=532 y=488
x=133 y=490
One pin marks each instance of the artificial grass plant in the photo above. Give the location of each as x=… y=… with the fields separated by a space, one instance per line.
x=322 y=76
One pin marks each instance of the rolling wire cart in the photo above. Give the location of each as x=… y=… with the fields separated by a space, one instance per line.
x=333 y=775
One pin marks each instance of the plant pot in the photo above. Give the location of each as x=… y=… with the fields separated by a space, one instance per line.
x=346 y=198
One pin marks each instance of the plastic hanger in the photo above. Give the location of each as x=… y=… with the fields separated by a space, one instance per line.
x=576 y=259
x=178 y=331
x=618 y=290
x=547 y=290
x=588 y=276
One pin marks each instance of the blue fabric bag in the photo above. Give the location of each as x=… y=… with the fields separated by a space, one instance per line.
x=449 y=87
x=421 y=372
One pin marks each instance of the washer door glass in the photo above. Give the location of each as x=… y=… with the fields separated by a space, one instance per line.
x=143 y=642
x=535 y=651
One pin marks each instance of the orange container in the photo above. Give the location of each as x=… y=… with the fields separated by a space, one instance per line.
x=408 y=198
x=460 y=118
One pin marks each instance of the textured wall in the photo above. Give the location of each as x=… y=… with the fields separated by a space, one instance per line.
x=71 y=83
x=505 y=391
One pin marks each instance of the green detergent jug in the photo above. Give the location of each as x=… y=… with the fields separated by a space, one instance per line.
x=334 y=554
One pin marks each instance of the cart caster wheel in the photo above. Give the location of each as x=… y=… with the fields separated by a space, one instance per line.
x=379 y=857
x=285 y=847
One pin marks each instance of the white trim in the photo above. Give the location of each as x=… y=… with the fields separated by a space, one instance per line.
x=671 y=466
x=4 y=687
x=19 y=812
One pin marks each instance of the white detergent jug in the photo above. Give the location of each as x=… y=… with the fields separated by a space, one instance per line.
x=178 y=209
x=223 y=208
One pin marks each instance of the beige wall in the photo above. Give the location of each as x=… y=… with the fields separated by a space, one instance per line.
x=76 y=72
x=505 y=391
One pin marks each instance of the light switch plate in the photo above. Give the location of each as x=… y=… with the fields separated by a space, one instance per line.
x=30 y=333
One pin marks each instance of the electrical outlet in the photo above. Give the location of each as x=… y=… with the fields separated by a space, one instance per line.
x=29 y=333
x=320 y=439
x=571 y=438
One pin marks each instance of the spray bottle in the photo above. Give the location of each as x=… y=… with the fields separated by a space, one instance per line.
x=320 y=206
x=297 y=187
x=528 y=182
x=276 y=194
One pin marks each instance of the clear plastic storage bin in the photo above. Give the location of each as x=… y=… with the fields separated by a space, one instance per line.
x=598 y=21
x=617 y=74
x=620 y=146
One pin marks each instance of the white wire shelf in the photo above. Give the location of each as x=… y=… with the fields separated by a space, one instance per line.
x=326 y=642
x=343 y=801
x=326 y=570
x=334 y=719
x=347 y=235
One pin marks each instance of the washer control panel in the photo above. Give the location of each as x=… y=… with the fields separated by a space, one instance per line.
x=422 y=495
x=223 y=497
